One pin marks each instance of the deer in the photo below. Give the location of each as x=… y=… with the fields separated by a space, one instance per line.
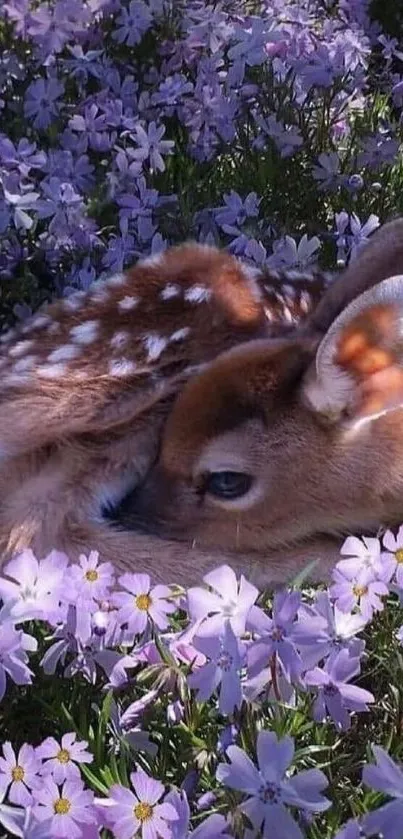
x=194 y=410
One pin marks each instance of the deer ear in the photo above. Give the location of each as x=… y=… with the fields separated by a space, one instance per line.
x=358 y=369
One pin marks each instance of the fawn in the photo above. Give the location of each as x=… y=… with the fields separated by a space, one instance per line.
x=216 y=412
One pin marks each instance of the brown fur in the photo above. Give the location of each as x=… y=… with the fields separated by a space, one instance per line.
x=68 y=440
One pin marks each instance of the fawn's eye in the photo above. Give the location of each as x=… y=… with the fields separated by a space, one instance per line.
x=228 y=485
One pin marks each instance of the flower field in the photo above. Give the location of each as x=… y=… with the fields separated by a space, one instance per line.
x=128 y=709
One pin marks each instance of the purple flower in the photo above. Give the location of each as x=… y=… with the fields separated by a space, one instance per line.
x=361 y=591
x=276 y=636
x=327 y=172
x=322 y=630
x=290 y=255
x=237 y=210
x=361 y=232
x=34 y=587
x=226 y=656
x=140 y=603
x=41 y=101
x=130 y=813
x=335 y=696
x=393 y=555
x=351 y=830
x=152 y=146
x=13 y=818
x=61 y=759
x=268 y=788
x=13 y=656
x=20 y=775
x=67 y=810
x=384 y=776
x=91 y=579
x=229 y=601
x=365 y=555
x=211 y=828
x=132 y=23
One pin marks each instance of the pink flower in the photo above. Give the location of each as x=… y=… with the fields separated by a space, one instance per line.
x=20 y=774
x=61 y=759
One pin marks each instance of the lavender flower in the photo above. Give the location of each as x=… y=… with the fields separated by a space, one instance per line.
x=335 y=696
x=91 y=579
x=66 y=810
x=211 y=828
x=34 y=587
x=129 y=813
x=13 y=656
x=132 y=23
x=361 y=591
x=42 y=101
x=20 y=775
x=268 y=787
x=226 y=656
x=229 y=601
x=152 y=146
x=385 y=776
x=141 y=603
x=276 y=636
x=61 y=759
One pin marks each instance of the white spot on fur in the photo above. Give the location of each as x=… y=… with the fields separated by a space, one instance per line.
x=170 y=290
x=99 y=293
x=268 y=314
x=52 y=371
x=197 y=294
x=116 y=280
x=252 y=275
x=64 y=353
x=180 y=334
x=16 y=380
x=153 y=260
x=24 y=364
x=39 y=322
x=128 y=303
x=74 y=302
x=121 y=367
x=154 y=345
x=21 y=348
x=287 y=314
x=86 y=332
x=119 y=339
x=305 y=301
x=54 y=329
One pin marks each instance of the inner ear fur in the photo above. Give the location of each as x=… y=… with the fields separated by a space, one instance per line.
x=381 y=258
x=358 y=370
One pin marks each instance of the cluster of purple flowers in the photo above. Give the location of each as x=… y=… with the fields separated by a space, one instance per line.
x=112 y=109
x=230 y=652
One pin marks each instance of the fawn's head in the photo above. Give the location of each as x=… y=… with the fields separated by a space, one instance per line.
x=281 y=439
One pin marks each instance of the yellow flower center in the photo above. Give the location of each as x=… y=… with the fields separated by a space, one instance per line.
x=62 y=806
x=359 y=591
x=143 y=602
x=91 y=576
x=18 y=773
x=143 y=811
x=63 y=756
x=399 y=555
